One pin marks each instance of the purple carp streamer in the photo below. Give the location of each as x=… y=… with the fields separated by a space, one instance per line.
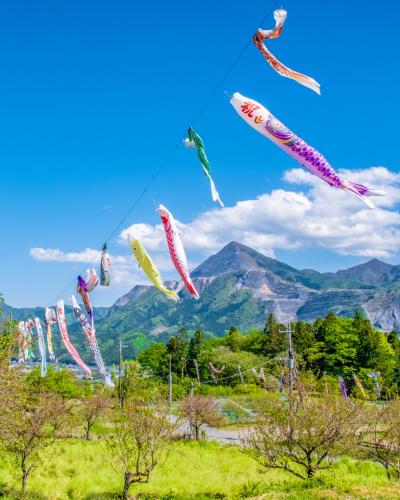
x=62 y=324
x=92 y=341
x=105 y=278
x=262 y=120
x=280 y=16
x=50 y=318
x=84 y=288
x=42 y=347
x=342 y=386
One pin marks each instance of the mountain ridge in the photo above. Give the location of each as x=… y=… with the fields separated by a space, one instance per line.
x=241 y=286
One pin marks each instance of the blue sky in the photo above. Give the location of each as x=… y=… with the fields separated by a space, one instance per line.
x=95 y=95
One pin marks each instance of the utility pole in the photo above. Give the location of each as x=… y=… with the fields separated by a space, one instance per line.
x=240 y=375
x=196 y=365
x=120 y=375
x=120 y=398
x=290 y=360
x=170 y=381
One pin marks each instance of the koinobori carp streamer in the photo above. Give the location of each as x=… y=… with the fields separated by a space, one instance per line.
x=148 y=266
x=342 y=386
x=29 y=339
x=262 y=120
x=42 y=347
x=176 y=250
x=50 y=318
x=23 y=342
x=280 y=16
x=193 y=140
x=84 y=287
x=105 y=266
x=62 y=324
x=92 y=341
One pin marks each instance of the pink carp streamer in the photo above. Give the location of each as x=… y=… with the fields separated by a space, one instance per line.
x=62 y=324
x=262 y=120
x=176 y=250
x=84 y=287
x=258 y=40
x=92 y=341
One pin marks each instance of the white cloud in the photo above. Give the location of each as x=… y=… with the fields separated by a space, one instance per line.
x=321 y=217
x=87 y=256
x=125 y=270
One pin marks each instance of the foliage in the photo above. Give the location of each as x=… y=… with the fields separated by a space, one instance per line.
x=58 y=381
x=26 y=419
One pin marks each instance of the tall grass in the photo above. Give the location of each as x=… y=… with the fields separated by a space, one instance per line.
x=75 y=469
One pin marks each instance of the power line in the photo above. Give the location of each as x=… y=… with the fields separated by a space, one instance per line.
x=179 y=142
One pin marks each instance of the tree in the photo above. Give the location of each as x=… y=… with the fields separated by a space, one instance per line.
x=303 y=437
x=274 y=340
x=92 y=408
x=126 y=380
x=234 y=339
x=155 y=359
x=139 y=441
x=194 y=351
x=26 y=421
x=199 y=411
x=380 y=437
x=177 y=348
x=339 y=342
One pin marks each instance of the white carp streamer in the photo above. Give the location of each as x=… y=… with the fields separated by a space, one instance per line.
x=62 y=324
x=42 y=347
x=258 y=40
x=23 y=342
x=50 y=318
x=90 y=335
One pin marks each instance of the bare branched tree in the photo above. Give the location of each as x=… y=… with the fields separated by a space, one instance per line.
x=199 y=411
x=92 y=408
x=140 y=440
x=304 y=436
x=380 y=437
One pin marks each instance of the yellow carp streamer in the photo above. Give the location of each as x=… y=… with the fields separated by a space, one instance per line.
x=148 y=266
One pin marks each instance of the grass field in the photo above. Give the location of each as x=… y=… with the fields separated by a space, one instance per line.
x=74 y=469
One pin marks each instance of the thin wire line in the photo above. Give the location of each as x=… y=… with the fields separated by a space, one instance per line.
x=178 y=144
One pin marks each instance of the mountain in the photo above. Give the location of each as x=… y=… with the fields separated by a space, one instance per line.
x=373 y=272
x=241 y=286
